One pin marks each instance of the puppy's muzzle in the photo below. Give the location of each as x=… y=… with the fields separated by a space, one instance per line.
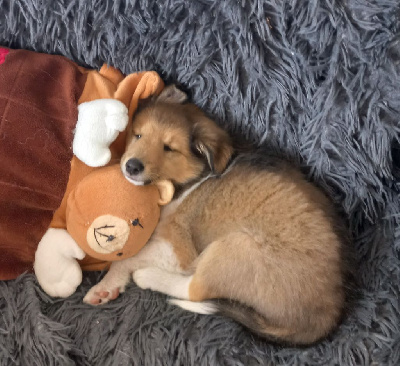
x=134 y=167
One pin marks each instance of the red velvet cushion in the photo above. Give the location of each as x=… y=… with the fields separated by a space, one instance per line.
x=38 y=112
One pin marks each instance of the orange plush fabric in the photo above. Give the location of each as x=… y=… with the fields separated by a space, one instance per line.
x=107 y=83
x=109 y=217
x=39 y=95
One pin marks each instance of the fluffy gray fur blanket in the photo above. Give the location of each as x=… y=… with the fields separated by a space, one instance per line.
x=317 y=79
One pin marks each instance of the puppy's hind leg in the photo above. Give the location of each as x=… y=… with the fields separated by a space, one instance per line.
x=230 y=275
x=260 y=285
x=175 y=285
x=157 y=279
x=211 y=275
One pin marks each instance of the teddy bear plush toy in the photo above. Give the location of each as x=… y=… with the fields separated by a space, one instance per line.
x=61 y=210
x=107 y=218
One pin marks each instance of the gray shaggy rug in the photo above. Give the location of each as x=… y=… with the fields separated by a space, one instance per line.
x=318 y=80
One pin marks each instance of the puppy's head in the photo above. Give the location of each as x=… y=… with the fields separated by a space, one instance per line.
x=175 y=141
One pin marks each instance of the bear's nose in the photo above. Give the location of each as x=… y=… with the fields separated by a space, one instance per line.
x=134 y=166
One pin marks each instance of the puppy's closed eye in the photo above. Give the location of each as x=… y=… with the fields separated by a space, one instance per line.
x=167 y=148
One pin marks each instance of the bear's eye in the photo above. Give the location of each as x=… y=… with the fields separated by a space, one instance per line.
x=167 y=148
x=138 y=137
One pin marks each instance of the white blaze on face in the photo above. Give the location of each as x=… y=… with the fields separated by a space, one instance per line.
x=133 y=181
x=107 y=234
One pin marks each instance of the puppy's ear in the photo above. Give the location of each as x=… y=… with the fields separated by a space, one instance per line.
x=171 y=94
x=212 y=143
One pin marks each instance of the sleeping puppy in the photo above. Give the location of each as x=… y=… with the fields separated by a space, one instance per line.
x=245 y=236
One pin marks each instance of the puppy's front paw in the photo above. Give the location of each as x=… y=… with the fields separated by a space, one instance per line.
x=148 y=278
x=101 y=294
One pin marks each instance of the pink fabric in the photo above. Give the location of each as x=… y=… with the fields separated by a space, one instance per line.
x=3 y=53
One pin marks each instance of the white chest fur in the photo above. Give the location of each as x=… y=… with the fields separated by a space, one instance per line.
x=159 y=250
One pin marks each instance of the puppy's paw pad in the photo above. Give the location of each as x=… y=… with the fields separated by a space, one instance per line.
x=99 y=295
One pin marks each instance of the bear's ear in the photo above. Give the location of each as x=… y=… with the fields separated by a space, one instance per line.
x=171 y=94
x=167 y=190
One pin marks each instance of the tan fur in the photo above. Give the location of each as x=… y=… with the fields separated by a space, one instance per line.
x=262 y=237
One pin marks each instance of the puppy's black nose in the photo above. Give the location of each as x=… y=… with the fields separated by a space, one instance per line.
x=134 y=166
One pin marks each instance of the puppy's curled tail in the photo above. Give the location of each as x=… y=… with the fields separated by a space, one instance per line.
x=246 y=316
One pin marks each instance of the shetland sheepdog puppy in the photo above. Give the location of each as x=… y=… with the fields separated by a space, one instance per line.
x=246 y=236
